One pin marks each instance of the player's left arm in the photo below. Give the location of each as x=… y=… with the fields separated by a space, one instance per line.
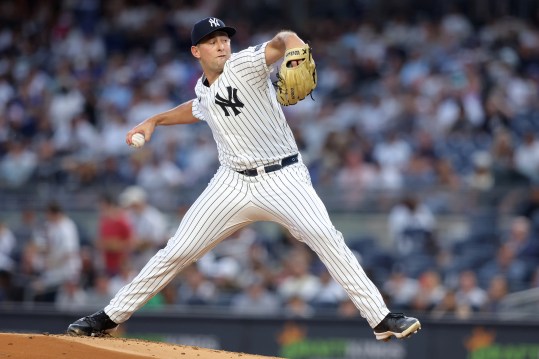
x=277 y=46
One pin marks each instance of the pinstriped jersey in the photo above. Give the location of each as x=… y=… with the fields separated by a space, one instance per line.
x=242 y=111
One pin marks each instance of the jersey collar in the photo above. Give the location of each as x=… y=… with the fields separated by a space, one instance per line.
x=205 y=81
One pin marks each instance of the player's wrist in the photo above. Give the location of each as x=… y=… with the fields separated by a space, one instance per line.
x=156 y=120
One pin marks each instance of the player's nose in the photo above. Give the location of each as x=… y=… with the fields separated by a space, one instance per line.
x=221 y=44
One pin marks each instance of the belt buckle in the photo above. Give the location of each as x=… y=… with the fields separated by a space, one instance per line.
x=261 y=170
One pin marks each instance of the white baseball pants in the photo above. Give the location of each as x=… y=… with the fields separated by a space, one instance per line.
x=232 y=201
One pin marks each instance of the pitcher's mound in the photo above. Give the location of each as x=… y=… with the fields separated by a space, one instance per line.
x=42 y=346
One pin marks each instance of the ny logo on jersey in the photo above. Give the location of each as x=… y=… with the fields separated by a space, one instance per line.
x=233 y=102
x=214 y=22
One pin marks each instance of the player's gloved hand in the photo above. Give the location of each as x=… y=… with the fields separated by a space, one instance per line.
x=294 y=83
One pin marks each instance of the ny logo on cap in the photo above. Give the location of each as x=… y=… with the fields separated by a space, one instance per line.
x=214 y=22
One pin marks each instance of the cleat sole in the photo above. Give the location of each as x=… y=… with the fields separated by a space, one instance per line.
x=413 y=329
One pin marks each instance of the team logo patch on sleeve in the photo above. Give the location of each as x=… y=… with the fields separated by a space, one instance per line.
x=257 y=47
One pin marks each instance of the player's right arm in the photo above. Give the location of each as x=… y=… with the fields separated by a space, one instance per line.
x=179 y=115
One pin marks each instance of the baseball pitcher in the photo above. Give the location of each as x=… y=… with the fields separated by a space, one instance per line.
x=261 y=175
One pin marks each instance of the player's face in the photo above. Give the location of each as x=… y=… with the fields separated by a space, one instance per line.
x=213 y=51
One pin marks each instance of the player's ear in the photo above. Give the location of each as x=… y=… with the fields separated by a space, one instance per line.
x=195 y=51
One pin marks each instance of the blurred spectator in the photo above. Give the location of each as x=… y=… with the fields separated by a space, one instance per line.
x=521 y=92
x=258 y=265
x=158 y=176
x=115 y=235
x=419 y=173
x=347 y=309
x=455 y=25
x=112 y=175
x=468 y=293
x=71 y=297
x=529 y=207
x=299 y=284
x=387 y=180
x=80 y=144
x=400 y=289
x=79 y=138
x=497 y=109
x=503 y=150
x=25 y=231
x=235 y=263
x=152 y=99
x=58 y=257
x=392 y=152
x=354 y=177
x=508 y=265
x=412 y=226
x=527 y=157
x=256 y=300
x=169 y=294
x=18 y=164
x=430 y=292
x=522 y=241
x=90 y=260
x=117 y=93
x=200 y=160
x=450 y=307
x=297 y=307
x=497 y=290
x=66 y=103
x=330 y=293
x=482 y=176
x=238 y=247
x=30 y=265
x=124 y=276
x=148 y=225
x=83 y=46
x=331 y=155
x=450 y=183
x=195 y=289
x=51 y=168
x=99 y=295
x=115 y=126
x=223 y=271
x=7 y=248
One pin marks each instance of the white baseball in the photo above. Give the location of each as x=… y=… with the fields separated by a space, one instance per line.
x=137 y=140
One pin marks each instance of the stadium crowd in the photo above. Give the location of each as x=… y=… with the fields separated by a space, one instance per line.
x=404 y=105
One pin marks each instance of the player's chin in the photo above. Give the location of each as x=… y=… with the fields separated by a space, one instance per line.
x=220 y=65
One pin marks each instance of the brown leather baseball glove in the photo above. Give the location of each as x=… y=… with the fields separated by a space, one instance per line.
x=294 y=83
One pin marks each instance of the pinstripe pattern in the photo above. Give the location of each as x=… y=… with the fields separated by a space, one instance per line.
x=259 y=135
x=250 y=130
x=214 y=216
x=292 y=200
x=232 y=201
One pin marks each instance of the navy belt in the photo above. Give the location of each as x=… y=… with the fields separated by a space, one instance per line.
x=271 y=168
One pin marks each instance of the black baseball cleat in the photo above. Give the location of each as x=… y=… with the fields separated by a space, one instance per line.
x=95 y=325
x=398 y=325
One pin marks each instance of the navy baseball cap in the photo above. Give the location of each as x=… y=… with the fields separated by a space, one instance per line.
x=207 y=26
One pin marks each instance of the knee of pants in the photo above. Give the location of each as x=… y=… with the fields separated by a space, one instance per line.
x=181 y=253
x=327 y=235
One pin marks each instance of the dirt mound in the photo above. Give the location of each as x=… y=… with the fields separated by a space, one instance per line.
x=42 y=346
